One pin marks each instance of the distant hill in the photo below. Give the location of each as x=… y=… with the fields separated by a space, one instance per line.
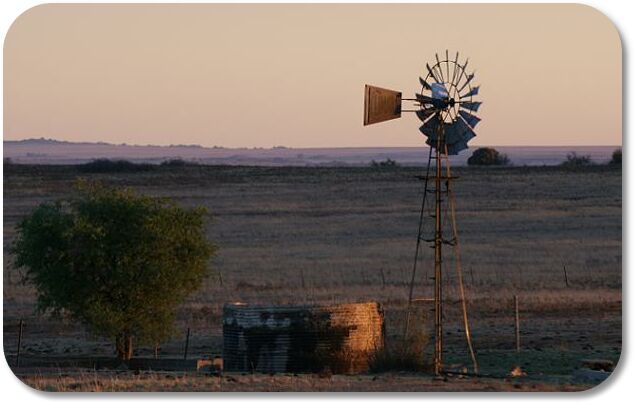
x=52 y=151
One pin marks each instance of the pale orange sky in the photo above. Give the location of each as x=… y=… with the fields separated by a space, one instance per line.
x=293 y=75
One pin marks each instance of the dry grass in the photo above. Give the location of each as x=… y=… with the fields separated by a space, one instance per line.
x=339 y=229
x=411 y=352
x=153 y=382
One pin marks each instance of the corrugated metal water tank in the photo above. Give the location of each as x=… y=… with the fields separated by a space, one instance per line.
x=276 y=339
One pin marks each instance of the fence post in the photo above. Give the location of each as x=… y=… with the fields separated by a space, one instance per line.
x=302 y=277
x=17 y=357
x=517 y=323
x=187 y=344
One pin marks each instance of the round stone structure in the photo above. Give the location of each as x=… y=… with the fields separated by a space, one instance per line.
x=340 y=338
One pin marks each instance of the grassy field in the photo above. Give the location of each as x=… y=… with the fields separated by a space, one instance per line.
x=323 y=235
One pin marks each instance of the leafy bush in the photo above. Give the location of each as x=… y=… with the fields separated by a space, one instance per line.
x=113 y=166
x=575 y=160
x=616 y=158
x=114 y=260
x=488 y=157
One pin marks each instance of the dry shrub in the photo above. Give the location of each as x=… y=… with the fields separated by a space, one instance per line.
x=409 y=353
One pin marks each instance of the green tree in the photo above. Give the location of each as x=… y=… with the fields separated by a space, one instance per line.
x=487 y=157
x=114 y=260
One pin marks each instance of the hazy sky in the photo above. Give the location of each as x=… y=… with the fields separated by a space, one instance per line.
x=293 y=75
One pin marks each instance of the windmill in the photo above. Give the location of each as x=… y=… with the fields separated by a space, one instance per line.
x=447 y=108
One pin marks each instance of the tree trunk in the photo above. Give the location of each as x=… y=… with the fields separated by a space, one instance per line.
x=124 y=347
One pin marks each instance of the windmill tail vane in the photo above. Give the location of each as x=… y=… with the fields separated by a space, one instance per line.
x=447 y=108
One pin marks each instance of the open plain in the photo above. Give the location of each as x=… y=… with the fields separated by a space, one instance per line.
x=550 y=235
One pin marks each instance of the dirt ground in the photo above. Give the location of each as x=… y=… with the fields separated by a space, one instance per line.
x=389 y=382
x=324 y=235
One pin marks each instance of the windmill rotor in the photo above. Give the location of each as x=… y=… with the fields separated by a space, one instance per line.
x=447 y=100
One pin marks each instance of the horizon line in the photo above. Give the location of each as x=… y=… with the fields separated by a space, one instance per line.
x=289 y=147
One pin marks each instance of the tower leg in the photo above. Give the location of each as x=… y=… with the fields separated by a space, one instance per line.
x=416 y=260
x=438 y=293
x=457 y=258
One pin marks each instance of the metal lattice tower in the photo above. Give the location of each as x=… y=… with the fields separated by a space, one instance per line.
x=445 y=106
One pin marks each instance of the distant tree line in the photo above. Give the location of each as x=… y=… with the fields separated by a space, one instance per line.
x=491 y=157
x=113 y=166
x=126 y=166
x=384 y=163
x=575 y=160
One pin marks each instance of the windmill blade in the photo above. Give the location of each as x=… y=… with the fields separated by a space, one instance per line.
x=469 y=79
x=455 y=66
x=436 y=55
x=462 y=73
x=424 y=83
x=467 y=133
x=468 y=136
x=472 y=120
x=472 y=106
x=447 y=64
x=472 y=92
x=432 y=139
x=424 y=114
x=429 y=128
x=423 y=99
x=452 y=133
x=456 y=148
x=439 y=91
x=432 y=73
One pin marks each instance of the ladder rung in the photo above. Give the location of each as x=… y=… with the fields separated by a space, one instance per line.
x=422 y=299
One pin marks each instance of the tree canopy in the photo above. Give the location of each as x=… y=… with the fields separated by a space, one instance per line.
x=115 y=260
